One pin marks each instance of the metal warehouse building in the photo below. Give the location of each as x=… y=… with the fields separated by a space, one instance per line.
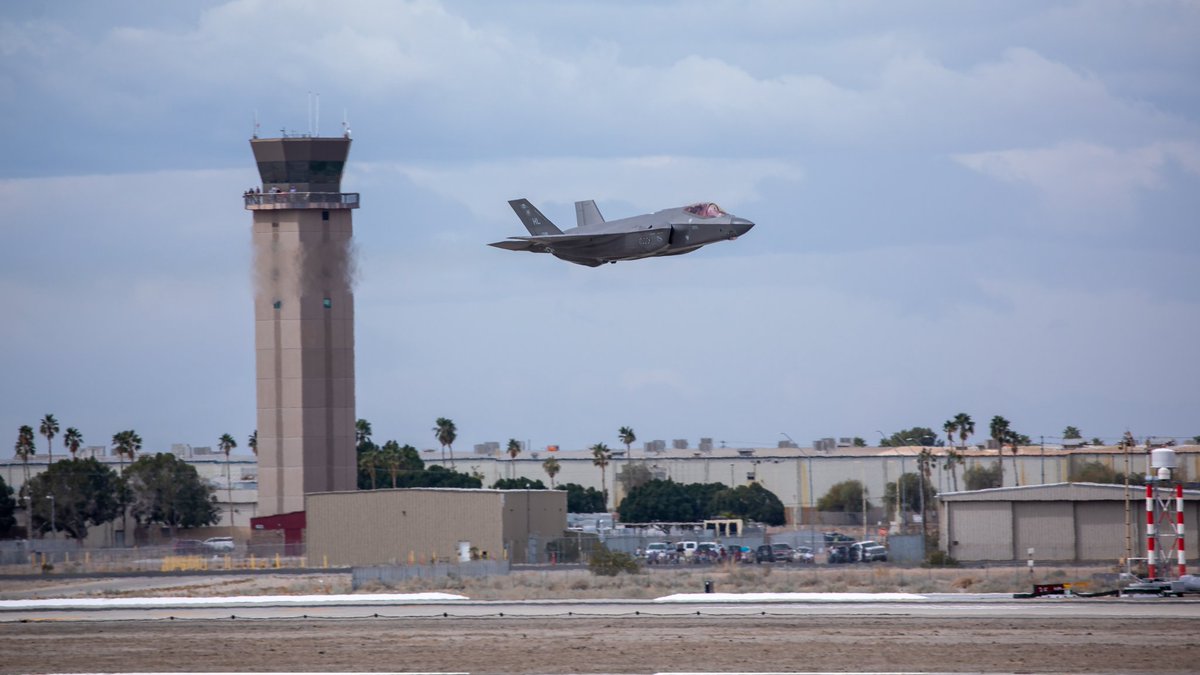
x=1062 y=521
x=377 y=527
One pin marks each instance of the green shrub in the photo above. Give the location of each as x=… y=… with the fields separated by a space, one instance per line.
x=608 y=563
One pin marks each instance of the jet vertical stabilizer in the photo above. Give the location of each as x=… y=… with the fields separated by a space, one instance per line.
x=534 y=221
x=586 y=214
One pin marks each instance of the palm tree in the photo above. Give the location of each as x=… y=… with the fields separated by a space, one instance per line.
x=551 y=467
x=368 y=460
x=627 y=437
x=252 y=442
x=1071 y=433
x=73 y=439
x=226 y=444
x=25 y=447
x=514 y=449
x=445 y=432
x=389 y=456
x=966 y=427
x=950 y=427
x=126 y=443
x=954 y=459
x=49 y=428
x=600 y=458
x=362 y=432
x=1000 y=431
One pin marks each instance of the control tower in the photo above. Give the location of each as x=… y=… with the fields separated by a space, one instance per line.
x=303 y=320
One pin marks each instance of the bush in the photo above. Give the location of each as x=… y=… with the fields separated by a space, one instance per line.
x=940 y=559
x=606 y=563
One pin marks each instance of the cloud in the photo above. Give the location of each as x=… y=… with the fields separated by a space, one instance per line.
x=1086 y=183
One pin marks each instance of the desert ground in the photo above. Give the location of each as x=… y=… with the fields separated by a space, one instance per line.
x=853 y=641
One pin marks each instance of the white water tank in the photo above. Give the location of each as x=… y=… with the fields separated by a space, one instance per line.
x=1162 y=458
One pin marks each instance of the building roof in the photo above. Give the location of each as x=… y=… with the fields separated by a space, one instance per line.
x=1055 y=492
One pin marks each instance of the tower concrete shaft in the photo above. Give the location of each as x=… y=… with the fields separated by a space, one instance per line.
x=303 y=320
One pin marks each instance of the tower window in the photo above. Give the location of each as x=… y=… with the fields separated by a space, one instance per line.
x=277 y=304
x=328 y=303
x=324 y=215
x=275 y=224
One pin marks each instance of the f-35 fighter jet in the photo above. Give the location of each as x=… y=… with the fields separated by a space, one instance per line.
x=595 y=241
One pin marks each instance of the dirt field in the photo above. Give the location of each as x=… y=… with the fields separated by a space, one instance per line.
x=588 y=645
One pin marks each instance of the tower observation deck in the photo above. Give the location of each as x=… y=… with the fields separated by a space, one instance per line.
x=303 y=320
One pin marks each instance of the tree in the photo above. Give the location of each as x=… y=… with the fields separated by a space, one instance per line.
x=514 y=448
x=8 y=509
x=627 y=437
x=632 y=475
x=913 y=436
x=551 y=467
x=73 y=439
x=227 y=444
x=362 y=432
x=438 y=476
x=165 y=489
x=910 y=493
x=860 y=442
x=999 y=429
x=926 y=462
x=966 y=428
x=521 y=483
x=86 y=493
x=954 y=459
x=445 y=432
x=668 y=501
x=950 y=427
x=845 y=497
x=49 y=429
x=752 y=502
x=980 y=477
x=369 y=461
x=24 y=447
x=601 y=457
x=126 y=443
x=252 y=442
x=399 y=459
x=583 y=500
x=1071 y=433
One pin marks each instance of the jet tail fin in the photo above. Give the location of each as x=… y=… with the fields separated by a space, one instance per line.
x=586 y=213
x=534 y=221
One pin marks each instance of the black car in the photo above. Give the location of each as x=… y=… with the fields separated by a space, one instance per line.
x=764 y=553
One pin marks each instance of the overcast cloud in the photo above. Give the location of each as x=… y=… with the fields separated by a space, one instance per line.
x=987 y=208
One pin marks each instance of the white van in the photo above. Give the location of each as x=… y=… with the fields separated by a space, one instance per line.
x=686 y=548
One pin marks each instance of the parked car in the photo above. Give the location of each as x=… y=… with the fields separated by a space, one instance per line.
x=188 y=546
x=764 y=554
x=219 y=544
x=838 y=553
x=658 y=552
x=867 y=551
x=804 y=554
x=783 y=552
x=837 y=537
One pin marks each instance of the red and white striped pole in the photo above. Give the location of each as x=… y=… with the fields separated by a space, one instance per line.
x=1150 y=531
x=1179 y=528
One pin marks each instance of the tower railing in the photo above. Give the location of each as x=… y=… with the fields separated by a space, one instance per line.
x=256 y=201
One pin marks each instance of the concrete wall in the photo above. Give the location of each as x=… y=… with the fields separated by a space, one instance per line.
x=375 y=527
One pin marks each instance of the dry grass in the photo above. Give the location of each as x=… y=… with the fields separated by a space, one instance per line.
x=656 y=582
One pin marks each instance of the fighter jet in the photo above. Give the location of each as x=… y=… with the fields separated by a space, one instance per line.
x=594 y=241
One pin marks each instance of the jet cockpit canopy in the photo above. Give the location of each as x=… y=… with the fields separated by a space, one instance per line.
x=705 y=210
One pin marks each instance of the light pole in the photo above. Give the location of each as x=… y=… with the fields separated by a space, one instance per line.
x=51 y=498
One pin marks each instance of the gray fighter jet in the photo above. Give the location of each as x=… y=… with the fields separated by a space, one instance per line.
x=595 y=241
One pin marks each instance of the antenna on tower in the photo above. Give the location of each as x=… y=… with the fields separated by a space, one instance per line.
x=255 y=132
x=308 y=109
x=345 y=124
x=317 y=120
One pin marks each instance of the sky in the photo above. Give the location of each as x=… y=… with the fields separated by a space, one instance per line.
x=987 y=208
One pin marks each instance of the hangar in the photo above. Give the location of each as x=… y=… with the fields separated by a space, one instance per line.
x=420 y=525
x=1068 y=522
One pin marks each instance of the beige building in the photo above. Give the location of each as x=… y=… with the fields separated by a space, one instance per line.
x=1061 y=522
x=419 y=525
x=303 y=320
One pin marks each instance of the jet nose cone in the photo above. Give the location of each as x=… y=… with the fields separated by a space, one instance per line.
x=740 y=226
